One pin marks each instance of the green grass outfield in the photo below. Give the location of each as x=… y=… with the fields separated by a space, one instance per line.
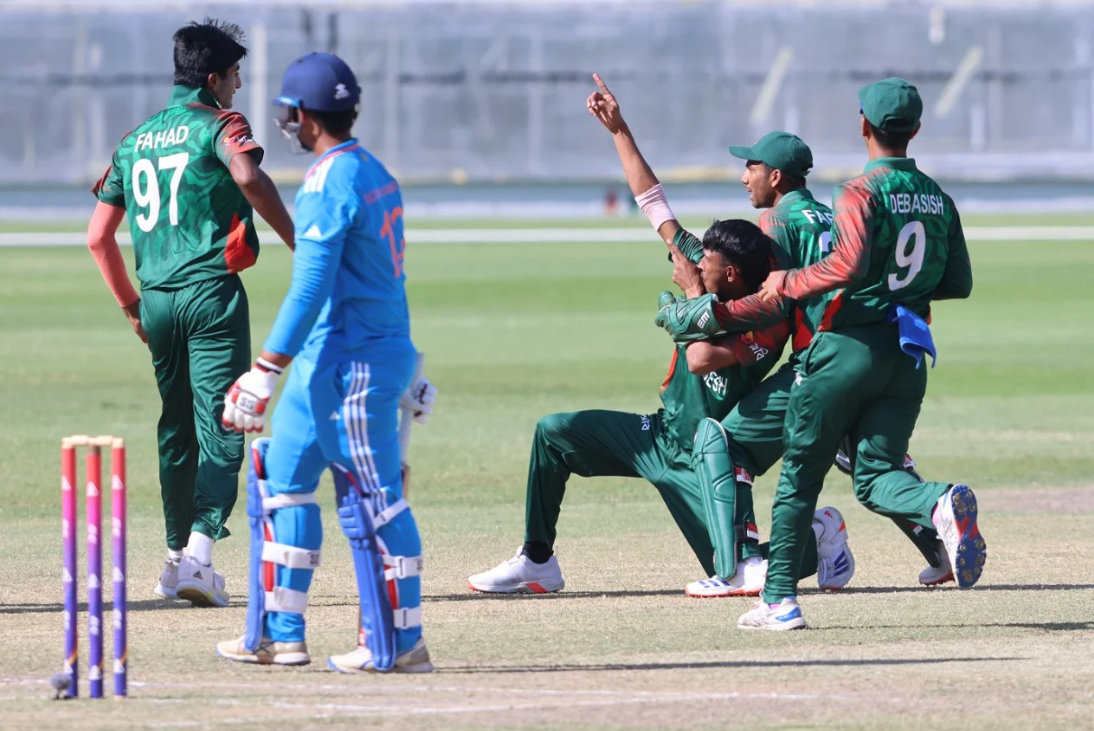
x=512 y=333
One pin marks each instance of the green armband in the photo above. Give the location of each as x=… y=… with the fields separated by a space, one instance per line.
x=690 y=320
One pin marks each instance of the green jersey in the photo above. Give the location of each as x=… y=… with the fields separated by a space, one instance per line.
x=897 y=239
x=188 y=219
x=689 y=398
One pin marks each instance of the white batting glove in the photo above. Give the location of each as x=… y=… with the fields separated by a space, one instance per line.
x=246 y=402
x=419 y=399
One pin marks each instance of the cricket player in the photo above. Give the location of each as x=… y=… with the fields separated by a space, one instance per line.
x=897 y=245
x=346 y=323
x=189 y=180
x=658 y=447
x=776 y=167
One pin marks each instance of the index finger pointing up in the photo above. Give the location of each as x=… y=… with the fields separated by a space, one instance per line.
x=600 y=83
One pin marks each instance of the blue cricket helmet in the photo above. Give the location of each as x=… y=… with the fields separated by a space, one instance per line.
x=319 y=82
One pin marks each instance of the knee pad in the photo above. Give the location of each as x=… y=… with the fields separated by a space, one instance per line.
x=297 y=514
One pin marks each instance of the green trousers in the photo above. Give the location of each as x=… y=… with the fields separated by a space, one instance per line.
x=619 y=444
x=755 y=431
x=855 y=382
x=200 y=339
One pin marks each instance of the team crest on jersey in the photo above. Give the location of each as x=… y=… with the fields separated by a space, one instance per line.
x=237 y=140
x=758 y=350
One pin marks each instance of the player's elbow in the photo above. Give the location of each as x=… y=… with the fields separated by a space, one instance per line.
x=244 y=172
x=700 y=361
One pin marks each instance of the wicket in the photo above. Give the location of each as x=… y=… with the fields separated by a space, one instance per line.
x=93 y=472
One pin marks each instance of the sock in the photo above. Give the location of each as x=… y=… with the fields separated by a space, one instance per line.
x=201 y=548
x=537 y=552
x=174 y=556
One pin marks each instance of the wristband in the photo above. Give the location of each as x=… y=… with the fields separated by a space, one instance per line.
x=269 y=367
x=655 y=206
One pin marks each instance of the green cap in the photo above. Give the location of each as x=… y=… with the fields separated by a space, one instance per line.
x=891 y=104
x=781 y=150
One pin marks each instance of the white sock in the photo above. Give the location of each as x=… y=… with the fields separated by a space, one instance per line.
x=201 y=548
x=175 y=556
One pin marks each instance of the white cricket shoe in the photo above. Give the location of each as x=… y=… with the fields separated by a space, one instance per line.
x=785 y=615
x=169 y=579
x=932 y=576
x=200 y=584
x=414 y=660
x=955 y=519
x=835 y=562
x=519 y=575
x=268 y=652
x=747 y=581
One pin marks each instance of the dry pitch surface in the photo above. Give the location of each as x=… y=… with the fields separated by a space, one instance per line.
x=513 y=332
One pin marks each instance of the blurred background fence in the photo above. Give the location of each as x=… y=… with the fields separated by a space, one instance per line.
x=494 y=91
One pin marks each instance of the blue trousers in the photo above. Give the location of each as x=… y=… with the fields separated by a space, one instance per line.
x=345 y=414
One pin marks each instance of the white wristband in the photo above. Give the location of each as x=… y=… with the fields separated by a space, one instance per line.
x=655 y=206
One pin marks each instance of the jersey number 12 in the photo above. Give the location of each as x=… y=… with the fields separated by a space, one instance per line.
x=147 y=194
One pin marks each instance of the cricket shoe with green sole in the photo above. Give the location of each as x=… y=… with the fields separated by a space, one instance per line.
x=414 y=660
x=267 y=653
x=748 y=580
x=786 y=615
x=200 y=584
x=955 y=520
x=519 y=575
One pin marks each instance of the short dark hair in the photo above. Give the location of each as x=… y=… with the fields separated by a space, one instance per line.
x=890 y=140
x=793 y=182
x=335 y=123
x=208 y=47
x=744 y=245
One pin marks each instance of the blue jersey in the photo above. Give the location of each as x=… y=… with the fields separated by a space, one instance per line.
x=347 y=295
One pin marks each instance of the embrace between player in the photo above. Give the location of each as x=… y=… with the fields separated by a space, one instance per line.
x=750 y=439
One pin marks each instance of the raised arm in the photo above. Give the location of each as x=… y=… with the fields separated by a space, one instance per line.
x=643 y=183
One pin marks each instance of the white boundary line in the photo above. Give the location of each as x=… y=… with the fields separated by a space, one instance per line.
x=564 y=235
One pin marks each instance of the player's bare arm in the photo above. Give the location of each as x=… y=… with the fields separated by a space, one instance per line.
x=644 y=185
x=708 y=356
x=261 y=193
x=103 y=243
x=956 y=280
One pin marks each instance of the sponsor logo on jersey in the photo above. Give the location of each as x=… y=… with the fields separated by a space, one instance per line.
x=237 y=140
x=645 y=423
x=758 y=351
x=703 y=320
x=742 y=475
x=313 y=232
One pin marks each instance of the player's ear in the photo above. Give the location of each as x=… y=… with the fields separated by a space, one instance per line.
x=866 y=132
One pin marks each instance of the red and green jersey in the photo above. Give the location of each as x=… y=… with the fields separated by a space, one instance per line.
x=689 y=398
x=897 y=239
x=800 y=227
x=188 y=219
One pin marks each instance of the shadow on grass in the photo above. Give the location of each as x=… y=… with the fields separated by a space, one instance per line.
x=471 y=596
x=711 y=664
x=944 y=587
x=140 y=605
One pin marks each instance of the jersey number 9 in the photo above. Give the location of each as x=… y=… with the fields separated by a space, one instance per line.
x=911 y=257
x=146 y=189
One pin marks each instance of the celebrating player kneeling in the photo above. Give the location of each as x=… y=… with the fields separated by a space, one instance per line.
x=346 y=322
